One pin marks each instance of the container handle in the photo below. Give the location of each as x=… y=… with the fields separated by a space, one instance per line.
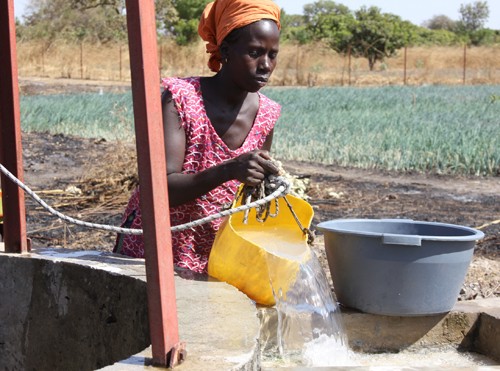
x=398 y=239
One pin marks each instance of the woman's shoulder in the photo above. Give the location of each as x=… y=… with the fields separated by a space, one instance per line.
x=181 y=83
x=269 y=104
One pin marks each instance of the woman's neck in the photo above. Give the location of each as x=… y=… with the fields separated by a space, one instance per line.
x=220 y=88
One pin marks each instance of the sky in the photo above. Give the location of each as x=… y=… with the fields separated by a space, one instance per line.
x=415 y=11
x=410 y=10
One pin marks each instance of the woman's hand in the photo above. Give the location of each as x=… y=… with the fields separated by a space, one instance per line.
x=252 y=167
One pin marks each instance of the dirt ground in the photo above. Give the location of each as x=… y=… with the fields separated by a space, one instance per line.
x=92 y=179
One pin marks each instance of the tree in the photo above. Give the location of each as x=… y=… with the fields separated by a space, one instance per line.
x=20 y=30
x=473 y=16
x=425 y=36
x=293 y=28
x=367 y=33
x=320 y=15
x=184 y=26
x=440 y=22
x=378 y=35
x=331 y=23
x=93 y=20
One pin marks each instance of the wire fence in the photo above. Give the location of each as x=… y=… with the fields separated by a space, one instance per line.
x=307 y=65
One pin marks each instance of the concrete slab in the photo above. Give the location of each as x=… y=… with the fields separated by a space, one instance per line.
x=487 y=339
x=218 y=323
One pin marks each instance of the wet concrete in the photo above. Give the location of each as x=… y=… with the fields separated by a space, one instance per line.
x=79 y=310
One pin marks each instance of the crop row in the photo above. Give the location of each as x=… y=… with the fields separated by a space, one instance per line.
x=438 y=129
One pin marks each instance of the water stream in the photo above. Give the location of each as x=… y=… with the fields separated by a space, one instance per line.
x=305 y=327
x=309 y=329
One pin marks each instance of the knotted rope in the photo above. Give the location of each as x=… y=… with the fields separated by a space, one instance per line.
x=263 y=211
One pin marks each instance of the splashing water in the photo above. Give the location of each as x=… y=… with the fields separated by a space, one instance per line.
x=309 y=325
x=305 y=328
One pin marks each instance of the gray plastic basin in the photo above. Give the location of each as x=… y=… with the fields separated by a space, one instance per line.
x=397 y=266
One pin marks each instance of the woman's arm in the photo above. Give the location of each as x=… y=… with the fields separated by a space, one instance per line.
x=269 y=141
x=249 y=168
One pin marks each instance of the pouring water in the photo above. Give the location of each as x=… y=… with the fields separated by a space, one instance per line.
x=309 y=329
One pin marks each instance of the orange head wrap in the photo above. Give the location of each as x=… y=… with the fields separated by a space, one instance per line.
x=222 y=16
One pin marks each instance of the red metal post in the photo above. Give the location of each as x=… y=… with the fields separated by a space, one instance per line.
x=10 y=134
x=163 y=324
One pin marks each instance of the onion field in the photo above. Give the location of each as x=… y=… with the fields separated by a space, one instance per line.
x=437 y=129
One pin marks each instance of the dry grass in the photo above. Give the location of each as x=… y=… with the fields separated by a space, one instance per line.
x=109 y=183
x=308 y=65
x=99 y=195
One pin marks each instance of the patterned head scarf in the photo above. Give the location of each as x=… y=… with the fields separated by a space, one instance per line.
x=222 y=16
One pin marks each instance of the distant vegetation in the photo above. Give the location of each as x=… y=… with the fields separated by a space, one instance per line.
x=366 y=32
x=446 y=130
x=434 y=129
x=451 y=130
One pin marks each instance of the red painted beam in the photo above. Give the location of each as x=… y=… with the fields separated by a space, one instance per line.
x=10 y=134
x=163 y=322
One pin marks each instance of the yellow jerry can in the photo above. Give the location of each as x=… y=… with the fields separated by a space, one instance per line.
x=257 y=257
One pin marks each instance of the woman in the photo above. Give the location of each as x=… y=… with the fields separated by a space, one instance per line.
x=218 y=129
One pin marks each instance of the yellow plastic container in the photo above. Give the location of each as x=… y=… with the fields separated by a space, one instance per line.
x=251 y=256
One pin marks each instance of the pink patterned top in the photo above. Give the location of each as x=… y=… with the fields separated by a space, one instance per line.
x=204 y=149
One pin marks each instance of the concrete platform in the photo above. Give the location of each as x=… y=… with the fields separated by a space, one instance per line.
x=218 y=324
x=79 y=310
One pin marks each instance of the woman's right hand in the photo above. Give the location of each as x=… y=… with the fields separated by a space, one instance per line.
x=252 y=167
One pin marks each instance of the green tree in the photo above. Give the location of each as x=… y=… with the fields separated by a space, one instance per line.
x=75 y=20
x=484 y=36
x=367 y=33
x=165 y=14
x=184 y=26
x=293 y=28
x=20 y=30
x=473 y=16
x=331 y=23
x=93 y=20
x=425 y=36
x=324 y=16
x=379 y=35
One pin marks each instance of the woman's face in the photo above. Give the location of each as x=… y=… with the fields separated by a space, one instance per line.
x=251 y=59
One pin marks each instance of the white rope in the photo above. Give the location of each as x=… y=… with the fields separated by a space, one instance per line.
x=283 y=189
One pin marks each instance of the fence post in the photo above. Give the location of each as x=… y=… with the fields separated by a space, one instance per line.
x=10 y=135
x=43 y=60
x=81 y=60
x=349 y=64
x=297 y=64
x=120 y=76
x=405 y=65
x=465 y=63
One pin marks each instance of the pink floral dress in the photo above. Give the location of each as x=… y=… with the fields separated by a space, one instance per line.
x=204 y=149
